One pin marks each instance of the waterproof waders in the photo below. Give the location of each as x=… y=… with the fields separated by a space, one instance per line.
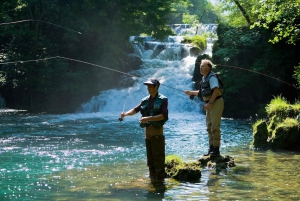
x=156 y=157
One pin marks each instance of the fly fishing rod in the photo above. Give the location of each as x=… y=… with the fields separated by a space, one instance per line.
x=253 y=71
x=84 y=62
x=31 y=20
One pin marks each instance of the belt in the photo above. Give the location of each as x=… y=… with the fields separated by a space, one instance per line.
x=218 y=97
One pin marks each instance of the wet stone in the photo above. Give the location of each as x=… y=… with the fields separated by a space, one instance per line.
x=177 y=169
x=217 y=162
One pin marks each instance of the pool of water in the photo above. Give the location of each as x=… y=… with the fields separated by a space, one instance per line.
x=93 y=156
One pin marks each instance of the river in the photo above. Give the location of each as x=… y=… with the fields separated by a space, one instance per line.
x=93 y=156
x=90 y=155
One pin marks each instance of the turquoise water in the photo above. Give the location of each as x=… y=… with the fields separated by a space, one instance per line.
x=95 y=157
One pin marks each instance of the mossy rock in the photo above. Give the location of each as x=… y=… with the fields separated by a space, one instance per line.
x=177 y=169
x=194 y=51
x=188 y=172
x=286 y=135
x=217 y=162
x=282 y=130
x=260 y=133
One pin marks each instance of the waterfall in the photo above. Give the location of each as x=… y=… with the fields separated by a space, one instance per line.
x=169 y=61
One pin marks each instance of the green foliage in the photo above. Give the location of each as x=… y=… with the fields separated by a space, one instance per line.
x=105 y=26
x=192 y=11
x=282 y=17
x=231 y=13
x=190 y=19
x=280 y=107
x=249 y=63
x=198 y=41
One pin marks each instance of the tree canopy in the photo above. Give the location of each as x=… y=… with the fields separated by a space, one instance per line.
x=282 y=17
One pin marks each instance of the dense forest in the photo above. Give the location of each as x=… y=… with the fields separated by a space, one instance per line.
x=53 y=35
x=261 y=37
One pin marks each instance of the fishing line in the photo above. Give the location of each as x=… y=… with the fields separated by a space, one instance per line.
x=59 y=57
x=21 y=21
x=240 y=68
x=84 y=62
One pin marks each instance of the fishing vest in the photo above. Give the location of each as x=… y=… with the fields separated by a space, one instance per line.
x=205 y=91
x=146 y=111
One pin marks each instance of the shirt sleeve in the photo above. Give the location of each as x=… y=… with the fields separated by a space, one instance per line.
x=164 y=108
x=137 y=108
x=213 y=82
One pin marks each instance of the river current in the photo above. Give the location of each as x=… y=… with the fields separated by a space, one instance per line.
x=90 y=155
x=95 y=157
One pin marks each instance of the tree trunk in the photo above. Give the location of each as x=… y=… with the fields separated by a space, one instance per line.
x=243 y=11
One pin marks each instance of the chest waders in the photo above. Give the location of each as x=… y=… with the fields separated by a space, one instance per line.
x=205 y=94
x=155 y=147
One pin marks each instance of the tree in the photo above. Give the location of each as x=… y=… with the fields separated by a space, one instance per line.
x=105 y=26
x=283 y=17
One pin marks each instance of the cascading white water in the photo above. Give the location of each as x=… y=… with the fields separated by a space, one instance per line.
x=168 y=61
x=168 y=66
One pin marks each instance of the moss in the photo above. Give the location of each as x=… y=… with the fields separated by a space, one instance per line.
x=286 y=134
x=177 y=169
x=282 y=129
x=198 y=41
x=281 y=108
x=260 y=133
x=274 y=120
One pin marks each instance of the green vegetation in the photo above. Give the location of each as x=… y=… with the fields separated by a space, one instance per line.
x=177 y=169
x=59 y=85
x=262 y=38
x=198 y=41
x=282 y=130
x=252 y=36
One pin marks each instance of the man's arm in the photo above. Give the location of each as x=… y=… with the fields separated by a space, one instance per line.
x=191 y=93
x=128 y=113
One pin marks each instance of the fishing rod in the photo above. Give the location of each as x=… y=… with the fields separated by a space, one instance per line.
x=84 y=62
x=240 y=68
x=31 y=20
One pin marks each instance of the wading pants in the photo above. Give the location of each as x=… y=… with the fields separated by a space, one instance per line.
x=213 y=122
x=155 y=149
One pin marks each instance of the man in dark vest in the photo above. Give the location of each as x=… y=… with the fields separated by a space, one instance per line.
x=154 y=110
x=211 y=89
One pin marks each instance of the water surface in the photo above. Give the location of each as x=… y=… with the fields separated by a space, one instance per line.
x=94 y=157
